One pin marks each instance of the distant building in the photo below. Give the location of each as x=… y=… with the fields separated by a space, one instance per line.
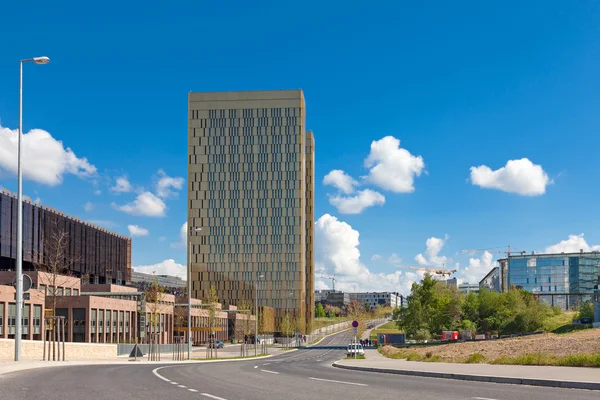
x=566 y=279
x=469 y=287
x=373 y=299
x=491 y=281
x=332 y=297
x=452 y=282
x=93 y=252
x=161 y=280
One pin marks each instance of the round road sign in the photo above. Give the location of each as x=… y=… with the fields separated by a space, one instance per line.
x=355 y=324
x=27 y=282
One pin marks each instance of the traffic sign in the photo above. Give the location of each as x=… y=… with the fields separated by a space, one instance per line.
x=355 y=324
x=27 y=282
x=355 y=331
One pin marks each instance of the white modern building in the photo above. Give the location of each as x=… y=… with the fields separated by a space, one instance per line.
x=373 y=299
x=469 y=287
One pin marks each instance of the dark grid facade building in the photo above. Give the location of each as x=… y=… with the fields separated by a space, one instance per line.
x=250 y=189
x=102 y=255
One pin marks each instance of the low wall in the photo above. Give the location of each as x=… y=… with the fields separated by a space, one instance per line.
x=332 y=328
x=34 y=350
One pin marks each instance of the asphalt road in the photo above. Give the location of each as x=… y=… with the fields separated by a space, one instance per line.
x=302 y=374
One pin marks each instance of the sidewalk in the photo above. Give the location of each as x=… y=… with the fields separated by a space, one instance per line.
x=564 y=377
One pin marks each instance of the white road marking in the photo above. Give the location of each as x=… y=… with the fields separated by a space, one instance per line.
x=267 y=364
x=256 y=366
x=157 y=374
x=270 y=372
x=318 y=360
x=482 y=398
x=345 y=383
x=173 y=383
x=182 y=386
x=192 y=390
x=212 y=397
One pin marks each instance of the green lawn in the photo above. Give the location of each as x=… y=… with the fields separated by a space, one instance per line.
x=390 y=327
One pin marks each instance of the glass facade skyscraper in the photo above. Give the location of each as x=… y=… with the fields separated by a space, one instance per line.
x=565 y=279
x=250 y=189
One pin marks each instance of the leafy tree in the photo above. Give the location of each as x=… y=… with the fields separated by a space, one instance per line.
x=586 y=310
x=319 y=311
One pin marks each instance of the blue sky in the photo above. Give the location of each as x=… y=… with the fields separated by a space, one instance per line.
x=459 y=85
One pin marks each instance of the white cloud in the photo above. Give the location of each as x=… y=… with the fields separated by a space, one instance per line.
x=97 y=192
x=518 y=176
x=135 y=230
x=432 y=258
x=165 y=183
x=122 y=185
x=478 y=268
x=145 y=204
x=182 y=237
x=104 y=223
x=391 y=167
x=167 y=267
x=45 y=159
x=89 y=206
x=375 y=257
x=573 y=244
x=356 y=204
x=394 y=259
x=339 y=179
x=336 y=247
x=162 y=238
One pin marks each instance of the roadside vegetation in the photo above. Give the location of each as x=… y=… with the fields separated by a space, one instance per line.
x=433 y=307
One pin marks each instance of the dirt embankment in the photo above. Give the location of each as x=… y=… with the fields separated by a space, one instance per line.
x=583 y=342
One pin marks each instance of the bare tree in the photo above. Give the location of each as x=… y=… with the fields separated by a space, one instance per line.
x=56 y=262
x=285 y=327
x=212 y=300
x=246 y=306
x=154 y=297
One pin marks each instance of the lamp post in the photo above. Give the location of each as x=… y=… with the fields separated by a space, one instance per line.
x=189 y=293
x=256 y=316
x=19 y=288
x=288 y=322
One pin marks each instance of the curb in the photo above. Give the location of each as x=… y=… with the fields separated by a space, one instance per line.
x=478 y=378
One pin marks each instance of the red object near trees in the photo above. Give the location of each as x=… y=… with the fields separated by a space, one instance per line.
x=448 y=336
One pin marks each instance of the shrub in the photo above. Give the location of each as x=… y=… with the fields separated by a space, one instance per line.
x=476 y=358
x=413 y=357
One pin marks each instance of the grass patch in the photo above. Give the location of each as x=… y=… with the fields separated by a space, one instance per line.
x=388 y=328
x=358 y=357
x=413 y=357
x=573 y=360
x=475 y=358
x=316 y=340
x=558 y=320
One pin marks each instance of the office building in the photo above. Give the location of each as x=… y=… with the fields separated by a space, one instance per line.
x=566 y=279
x=98 y=254
x=333 y=298
x=469 y=287
x=374 y=299
x=161 y=280
x=452 y=283
x=491 y=281
x=250 y=189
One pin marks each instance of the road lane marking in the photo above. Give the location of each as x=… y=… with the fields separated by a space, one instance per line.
x=157 y=374
x=332 y=381
x=192 y=390
x=482 y=398
x=256 y=366
x=267 y=364
x=173 y=383
x=270 y=372
x=318 y=360
x=182 y=386
x=211 y=396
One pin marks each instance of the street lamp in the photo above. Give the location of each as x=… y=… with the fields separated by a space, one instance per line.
x=256 y=316
x=189 y=293
x=19 y=291
x=288 y=322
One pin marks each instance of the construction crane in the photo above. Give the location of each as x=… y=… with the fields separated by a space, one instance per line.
x=503 y=269
x=332 y=278
x=437 y=271
x=508 y=253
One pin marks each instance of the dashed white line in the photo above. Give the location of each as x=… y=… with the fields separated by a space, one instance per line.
x=267 y=364
x=482 y=398
x=182 y=386
x=212 y=397
x=160 y=376
x=173 y=383
x=270 y=372
x=256 y=366
x=332 y=381
x=192 y=390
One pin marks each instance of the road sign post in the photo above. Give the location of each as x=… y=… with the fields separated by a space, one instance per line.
x=355 y=329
